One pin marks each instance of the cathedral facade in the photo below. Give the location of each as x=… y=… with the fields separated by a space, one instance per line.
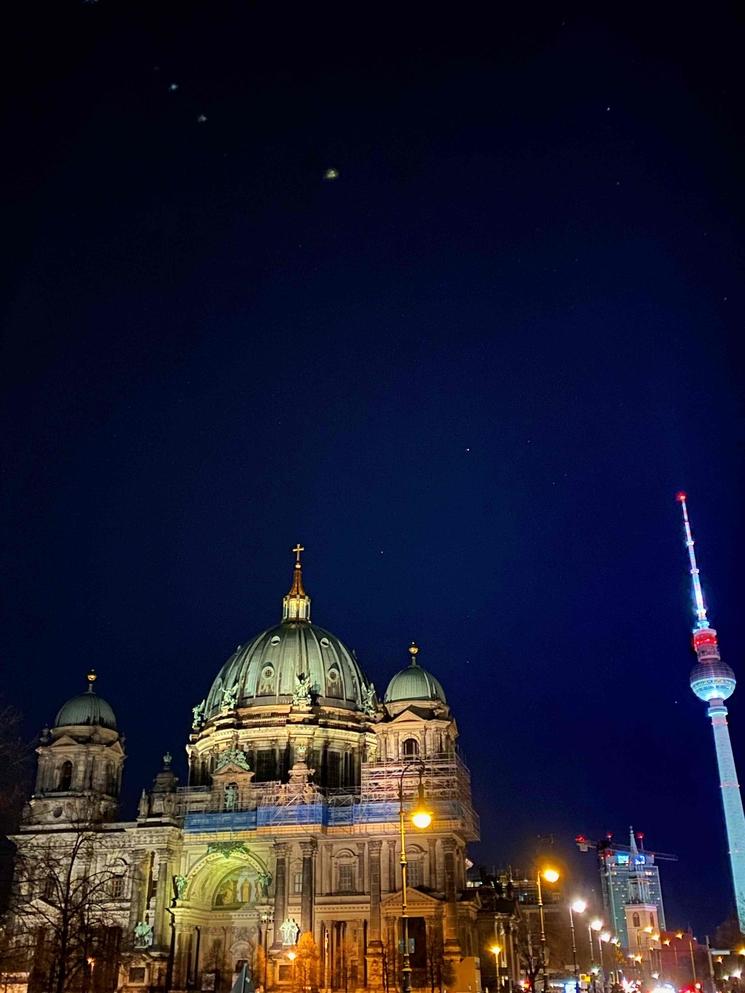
x=283 y=851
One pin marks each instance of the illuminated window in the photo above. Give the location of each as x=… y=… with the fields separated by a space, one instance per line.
x=411 y=747
x=297 y=883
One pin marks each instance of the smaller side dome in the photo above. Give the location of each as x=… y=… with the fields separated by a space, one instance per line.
x=86 y=709
x=414 y=683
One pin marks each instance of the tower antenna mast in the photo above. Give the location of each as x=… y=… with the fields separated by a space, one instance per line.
x=698 y=593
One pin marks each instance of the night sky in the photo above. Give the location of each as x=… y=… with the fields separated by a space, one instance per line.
x=469 y=375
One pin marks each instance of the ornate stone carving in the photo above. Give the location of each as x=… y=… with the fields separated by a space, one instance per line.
x=263 y=882
x=232 y=756
x=230 y=697
x=227 y=848
x=289 y=929
x=143 y=934
x=198 y=715
x=369 y=705
x=302 y=697
x=179 y=885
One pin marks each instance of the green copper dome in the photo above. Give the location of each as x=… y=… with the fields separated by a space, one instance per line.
x=275 y=665
x=88 y=708
x=414 y=683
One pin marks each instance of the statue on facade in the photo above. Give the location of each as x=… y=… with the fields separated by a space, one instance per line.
x=179 y=886
x=230 y=697
x=368 y=701
x=143 y=807
x=143 y=934
x=198 y=715
x=231 y=796
x=302 y=695
x=263 y=882
x=289 y=930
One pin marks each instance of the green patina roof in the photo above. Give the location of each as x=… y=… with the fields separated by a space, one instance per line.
x=414 y=683
x=87 y=708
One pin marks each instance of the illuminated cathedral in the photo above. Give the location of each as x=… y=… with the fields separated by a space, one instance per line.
x=289 y=827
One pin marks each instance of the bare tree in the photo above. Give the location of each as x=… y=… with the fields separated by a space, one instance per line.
x=64 y=905
x=529 y=953
x=14 y=767
x=440 y=972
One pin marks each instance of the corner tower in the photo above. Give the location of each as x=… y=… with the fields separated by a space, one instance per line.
x=713 y=681
x=81 y=760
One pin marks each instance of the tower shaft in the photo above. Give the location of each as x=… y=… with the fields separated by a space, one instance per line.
x=734 y=817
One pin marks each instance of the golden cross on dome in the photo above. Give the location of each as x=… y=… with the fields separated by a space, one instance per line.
x=297 y=550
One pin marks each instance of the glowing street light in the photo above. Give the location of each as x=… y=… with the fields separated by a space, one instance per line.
x=551 y=875
x=496 y=951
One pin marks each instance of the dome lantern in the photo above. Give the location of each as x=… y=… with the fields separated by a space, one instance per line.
x=296 y=604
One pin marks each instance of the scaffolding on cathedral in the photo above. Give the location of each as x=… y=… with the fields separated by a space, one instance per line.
x=446 y=781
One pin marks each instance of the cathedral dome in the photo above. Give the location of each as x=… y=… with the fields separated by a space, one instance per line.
x=414 y=683
x=87 y=708
x=267 y=669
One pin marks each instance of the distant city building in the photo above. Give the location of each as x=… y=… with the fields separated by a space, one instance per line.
x=630 y=881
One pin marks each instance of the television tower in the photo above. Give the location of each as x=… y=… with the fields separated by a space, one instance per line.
x=714 y=682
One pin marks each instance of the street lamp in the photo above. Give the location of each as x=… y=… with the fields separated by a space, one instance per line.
x=578 y=907
x=594 y=925
x=551 y=876
x=496 y=949
x=421 y=818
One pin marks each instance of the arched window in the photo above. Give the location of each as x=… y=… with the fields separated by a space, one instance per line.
x=411 y=747
x=635 y=920
x=65 y=776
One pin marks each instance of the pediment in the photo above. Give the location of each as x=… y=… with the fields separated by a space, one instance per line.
x=414 y=898
x=64 y=742
x=413 y=715
x=232 y=771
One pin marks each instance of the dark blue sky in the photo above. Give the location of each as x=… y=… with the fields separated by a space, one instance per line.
x=469 y=375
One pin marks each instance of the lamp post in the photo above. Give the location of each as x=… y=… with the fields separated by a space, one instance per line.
x=421 y=818
x=578 y=907
x=604 y=937
x=496 y=949
x=595 y=925
x=267 y=918
x=551 y=876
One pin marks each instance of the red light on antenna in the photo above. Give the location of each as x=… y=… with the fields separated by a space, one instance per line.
x=680 y=497
x=580 y=838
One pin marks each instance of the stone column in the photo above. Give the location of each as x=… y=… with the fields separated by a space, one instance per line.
x=374 y=951
x=280 y=891
x=309 y=849
x=163 y=894
x=452 y=945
